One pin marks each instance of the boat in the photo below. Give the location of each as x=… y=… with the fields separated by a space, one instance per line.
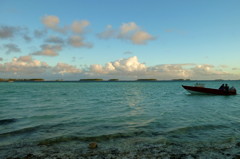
x=203 y=90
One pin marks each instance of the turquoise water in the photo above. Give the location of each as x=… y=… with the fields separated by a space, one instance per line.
x=125 y=119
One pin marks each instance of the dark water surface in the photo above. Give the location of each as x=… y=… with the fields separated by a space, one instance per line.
x=125 y=119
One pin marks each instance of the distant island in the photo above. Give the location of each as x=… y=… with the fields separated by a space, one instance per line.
x=150 y=79
x=113 y=80
x=102 y=80
x=22 y=80
x=91 y=80
x=180 y=79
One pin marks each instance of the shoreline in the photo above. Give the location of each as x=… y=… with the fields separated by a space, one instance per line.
x=115 y=81
x=170 y=151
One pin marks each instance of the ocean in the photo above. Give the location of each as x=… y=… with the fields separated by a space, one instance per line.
x=124 y=119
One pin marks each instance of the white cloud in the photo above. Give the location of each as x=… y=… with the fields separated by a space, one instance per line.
x=141 y=37
x=75 y=40
x=108 y=33
x=79 y=26
x=8 y=31
x=128 y=52
x=191 y=71
x=25 y=59
x=11 y=48
x=74 y=33
x=55 y=40
x=207 y=71
x=170 y=71
x=130 y=65
x=96 y=68
x=128 y=31
x=78 y=41
x=48 y=50
x=24 y=65
x=128 y=68
x=27 y=38
x=63 y=68
x=236 y=68
x=131 y=68
x=40 y=33
x=123 y=66
x=128 y=28
x=52 y=22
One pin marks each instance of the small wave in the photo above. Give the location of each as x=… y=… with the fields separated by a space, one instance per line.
x=48 y=116
x=21 y=131
x=196 y=128
x=56 y=140
x=7 y=121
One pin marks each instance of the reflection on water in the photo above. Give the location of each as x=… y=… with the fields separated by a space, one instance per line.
x=134 y=98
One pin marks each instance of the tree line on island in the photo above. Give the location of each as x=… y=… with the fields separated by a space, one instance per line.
x=83 y=80
x=93 y=80
x=21 y=80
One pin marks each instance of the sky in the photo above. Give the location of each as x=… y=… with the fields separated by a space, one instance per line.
x=124 y=39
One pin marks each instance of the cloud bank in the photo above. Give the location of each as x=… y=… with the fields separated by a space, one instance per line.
x=23 y=66
x=124 y=69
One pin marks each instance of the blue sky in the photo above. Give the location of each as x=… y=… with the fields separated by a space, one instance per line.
x=125 y=39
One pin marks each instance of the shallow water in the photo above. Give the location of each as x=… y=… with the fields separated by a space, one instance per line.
x=125 y=119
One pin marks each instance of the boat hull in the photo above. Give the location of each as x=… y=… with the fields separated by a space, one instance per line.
x=203 y=90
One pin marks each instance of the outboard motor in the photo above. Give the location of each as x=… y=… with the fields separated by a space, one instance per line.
x=232 y=90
